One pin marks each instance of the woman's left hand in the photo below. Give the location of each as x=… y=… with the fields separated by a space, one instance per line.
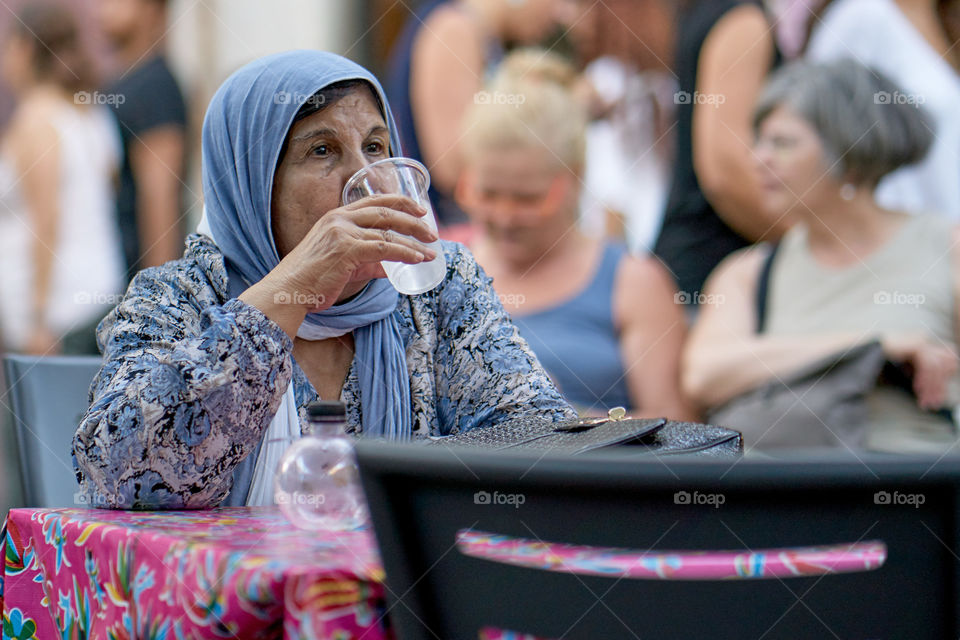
x=933 y=366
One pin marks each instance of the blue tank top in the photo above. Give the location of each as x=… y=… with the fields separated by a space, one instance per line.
x=578 y=344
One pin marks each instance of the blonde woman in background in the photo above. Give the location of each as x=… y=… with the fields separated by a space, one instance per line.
x=60 y=263
x=604 y=324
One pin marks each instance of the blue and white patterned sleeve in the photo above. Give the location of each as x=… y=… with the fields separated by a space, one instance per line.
x=486 y=373
x=187 y=388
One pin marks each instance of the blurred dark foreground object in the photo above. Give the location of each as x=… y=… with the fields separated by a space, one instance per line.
x=603 y=545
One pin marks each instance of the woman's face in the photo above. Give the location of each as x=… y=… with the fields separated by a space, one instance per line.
x=523 y=201
x=323 y=151
x=791 y=161
x=120 y=20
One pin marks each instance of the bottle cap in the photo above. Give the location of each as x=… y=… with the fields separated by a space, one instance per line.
x=326 y=409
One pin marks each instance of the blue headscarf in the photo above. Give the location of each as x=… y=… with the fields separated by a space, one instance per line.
x=243 y=132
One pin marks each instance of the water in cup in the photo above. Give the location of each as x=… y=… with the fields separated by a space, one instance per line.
x=412 y=279
x=407 y=177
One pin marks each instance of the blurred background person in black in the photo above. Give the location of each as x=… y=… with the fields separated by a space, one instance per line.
x=152 y=120
x=724 y=51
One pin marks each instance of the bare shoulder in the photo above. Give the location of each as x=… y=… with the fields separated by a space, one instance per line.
x=747 y=20
x=741 y=39
x=447 y=52
x=40 y=107
x=644 y=274
x=449 y=26
x=738 y=270
x=31 y=126
x=645 y=294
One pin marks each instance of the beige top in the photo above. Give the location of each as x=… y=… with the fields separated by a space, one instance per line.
x=905 y=285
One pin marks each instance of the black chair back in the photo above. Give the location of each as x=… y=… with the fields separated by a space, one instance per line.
x=434 y=511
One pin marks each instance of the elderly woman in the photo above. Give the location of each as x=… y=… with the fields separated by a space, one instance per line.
x=210 y=360
x=604 y=324
x=850 y=272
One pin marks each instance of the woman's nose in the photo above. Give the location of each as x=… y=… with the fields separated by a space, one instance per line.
x=762 y=154
x=354 y=162
x=505 y=212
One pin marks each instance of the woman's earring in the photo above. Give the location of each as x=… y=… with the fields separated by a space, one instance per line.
x=848 y=192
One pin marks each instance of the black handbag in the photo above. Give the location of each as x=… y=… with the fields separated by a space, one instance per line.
x=656 y=436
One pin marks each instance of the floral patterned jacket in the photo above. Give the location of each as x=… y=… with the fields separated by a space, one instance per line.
x=191 y=379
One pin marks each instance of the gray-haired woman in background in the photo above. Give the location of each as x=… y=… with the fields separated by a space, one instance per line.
x=850 y=271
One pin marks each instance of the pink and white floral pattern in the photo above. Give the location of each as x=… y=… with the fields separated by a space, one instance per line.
x=183 y=575
x=673 y=565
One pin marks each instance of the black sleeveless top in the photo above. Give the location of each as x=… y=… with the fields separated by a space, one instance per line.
x=693 y=238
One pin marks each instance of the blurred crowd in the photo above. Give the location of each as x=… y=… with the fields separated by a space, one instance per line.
x=90 y=171
x=703 y=209
x=686 y=206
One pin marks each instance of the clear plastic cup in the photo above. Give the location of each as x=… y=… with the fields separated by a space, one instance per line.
x=407 y=177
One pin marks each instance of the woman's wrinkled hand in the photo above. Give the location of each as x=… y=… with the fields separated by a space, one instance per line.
x=340 y=252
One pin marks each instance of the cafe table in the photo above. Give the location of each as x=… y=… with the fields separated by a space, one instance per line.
x=237 y=572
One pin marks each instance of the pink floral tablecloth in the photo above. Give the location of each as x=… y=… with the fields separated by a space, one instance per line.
x=178 y=575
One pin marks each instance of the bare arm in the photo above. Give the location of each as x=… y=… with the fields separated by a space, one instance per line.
x=725 y=357
x=35 y=145
x=652 y=330
x=732 y=69
x=157 y=162
x=446 y=73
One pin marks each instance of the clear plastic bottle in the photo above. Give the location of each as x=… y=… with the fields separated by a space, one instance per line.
x=317 y=485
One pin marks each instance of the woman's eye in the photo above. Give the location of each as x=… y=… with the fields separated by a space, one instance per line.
x=374 y=148
x=321 y=150
x=783 y=143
